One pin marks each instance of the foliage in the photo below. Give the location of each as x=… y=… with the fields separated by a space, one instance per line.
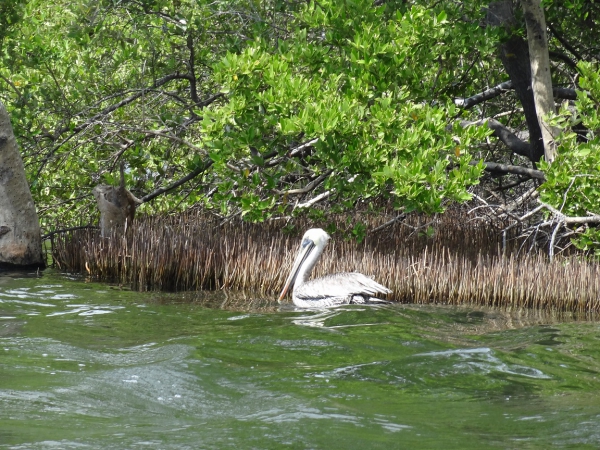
x=232 y=90
x=573 y=182
x=349 y=86
x=11 y=12
x=277 y=107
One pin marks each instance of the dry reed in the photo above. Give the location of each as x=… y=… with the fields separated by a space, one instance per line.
x=459 y=264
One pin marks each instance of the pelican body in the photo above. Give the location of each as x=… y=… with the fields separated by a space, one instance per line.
x=330 y=290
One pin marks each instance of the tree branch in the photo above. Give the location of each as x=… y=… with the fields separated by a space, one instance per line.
x=564 y=42
x=388 y=223
x=517 y=170
x=502 y=132
x=124 y=102
x=293 y=152
x=66 y=230
x=322 y=196
x=314 y=200
x=467 y=103
x=564 y=93
x=191 y=63
x=561 y=217
x=77 y=129
x=564 y=58
x=301 y=147
x=188 y=177
x=173 y=138
x=309 y=187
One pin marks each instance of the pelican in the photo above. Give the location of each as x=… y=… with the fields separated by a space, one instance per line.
x=330 y=290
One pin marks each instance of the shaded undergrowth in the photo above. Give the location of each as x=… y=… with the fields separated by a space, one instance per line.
x=454 y=263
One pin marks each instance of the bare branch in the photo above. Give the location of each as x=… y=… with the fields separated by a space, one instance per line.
x=564 y=42
x=188 y=177
x=309 y=187
x=125 y=101
x=173 y=138
x=11 y=84
x=531 y=194
x=553 y=239
x=301 y=147
x=66 y=230
x=322 y=196
x=483 y=96
x=517 y=170
x=564 y=58
x=207 y=165
x=293 y=152
x=314 y=200
x=503 y=133
x=469 y=102
x=564 y=93
x=593 y=218
x=388 y=223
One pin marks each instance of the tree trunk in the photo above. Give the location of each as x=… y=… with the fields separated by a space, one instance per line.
x=541 y=80
x=117 y=206
x=20 y=239
x=515 y=59
x=514 y=54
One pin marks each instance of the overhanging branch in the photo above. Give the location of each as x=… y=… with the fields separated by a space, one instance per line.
x=176 y=184
x=561 y=217
x=507 y=168
x=469 y=102
x=503 y=133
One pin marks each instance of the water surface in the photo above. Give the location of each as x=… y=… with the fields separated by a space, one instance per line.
x=93 y=366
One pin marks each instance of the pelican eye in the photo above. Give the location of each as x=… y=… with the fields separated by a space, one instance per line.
x=306 y=242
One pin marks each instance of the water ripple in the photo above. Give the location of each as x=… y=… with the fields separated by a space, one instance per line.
x=87 y=310
x=279 y=416
x=315 y=318
x=483 y=360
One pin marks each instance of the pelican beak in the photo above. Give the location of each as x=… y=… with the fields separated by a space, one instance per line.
x=305 y=249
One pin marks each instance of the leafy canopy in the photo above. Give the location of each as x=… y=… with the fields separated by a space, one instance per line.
x=233 y=90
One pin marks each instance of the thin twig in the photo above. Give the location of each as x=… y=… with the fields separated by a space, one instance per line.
x=66 y=230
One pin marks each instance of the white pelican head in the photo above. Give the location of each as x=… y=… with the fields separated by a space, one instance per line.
x=313 y=243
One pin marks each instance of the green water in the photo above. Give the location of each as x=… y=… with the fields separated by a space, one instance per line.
x=88 y=365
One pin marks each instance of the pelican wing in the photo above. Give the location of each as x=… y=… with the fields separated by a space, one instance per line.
x=339 y=288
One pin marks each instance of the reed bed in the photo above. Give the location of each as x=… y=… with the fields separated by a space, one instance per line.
x=458 y=265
